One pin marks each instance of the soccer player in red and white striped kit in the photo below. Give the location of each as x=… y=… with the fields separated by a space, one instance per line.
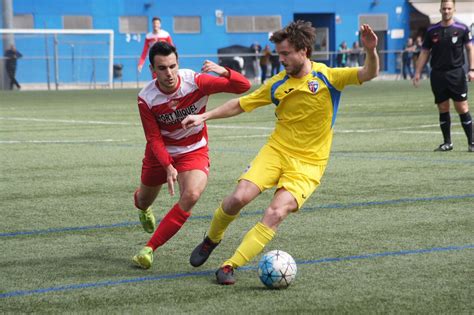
x=157 y=35
x=173 y=153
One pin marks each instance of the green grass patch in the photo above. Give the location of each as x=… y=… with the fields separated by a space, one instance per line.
x=72 y=159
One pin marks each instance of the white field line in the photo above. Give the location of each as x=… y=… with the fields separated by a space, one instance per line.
x=122 y=123
x=59 y=141
x=124 y=140
x=405 y=130
x=345 y=131
x=82 y=122
x=389 y=129
x=246 y=136
x=432 y=132
x=211 y=126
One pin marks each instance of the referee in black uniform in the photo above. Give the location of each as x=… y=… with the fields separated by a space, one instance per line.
x=445 y=41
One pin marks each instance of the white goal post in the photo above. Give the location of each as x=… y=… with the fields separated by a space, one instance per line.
x=59 y=32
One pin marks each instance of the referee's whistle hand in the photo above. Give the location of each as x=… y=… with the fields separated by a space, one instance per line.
x=416 y=80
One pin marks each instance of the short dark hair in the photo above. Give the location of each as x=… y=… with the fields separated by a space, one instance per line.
x=161 y=49
x=300 y=34
x=155 y=19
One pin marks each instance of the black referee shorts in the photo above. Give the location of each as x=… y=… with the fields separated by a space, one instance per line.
x=450 y=84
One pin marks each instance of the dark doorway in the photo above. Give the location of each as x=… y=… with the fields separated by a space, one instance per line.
x=325 y=34
x=419 y=23
x=382 y=47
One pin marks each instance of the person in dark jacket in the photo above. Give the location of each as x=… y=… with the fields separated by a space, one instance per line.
x=12 y=55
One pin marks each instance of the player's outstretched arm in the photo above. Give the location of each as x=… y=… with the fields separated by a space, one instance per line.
x=228 y=109
x=371 y=66
x=227 y=81
x=209 y=66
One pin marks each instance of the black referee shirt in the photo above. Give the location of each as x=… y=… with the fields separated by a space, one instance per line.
x=447 y=45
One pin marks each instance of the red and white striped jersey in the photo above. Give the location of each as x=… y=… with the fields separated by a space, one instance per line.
x=152 y=38
x=162 y=113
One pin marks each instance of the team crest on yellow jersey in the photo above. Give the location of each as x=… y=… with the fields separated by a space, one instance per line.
x=313 y=86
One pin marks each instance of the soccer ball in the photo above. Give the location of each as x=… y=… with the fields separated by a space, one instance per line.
x=277 y=269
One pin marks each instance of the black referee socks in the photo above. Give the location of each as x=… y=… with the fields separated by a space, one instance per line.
x=466 y=122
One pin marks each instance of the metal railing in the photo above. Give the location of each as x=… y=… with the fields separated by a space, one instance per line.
x=87 y=71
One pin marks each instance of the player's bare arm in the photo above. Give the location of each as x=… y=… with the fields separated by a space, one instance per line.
x=142 y=57
x=470 y=60
x=422 y=60
x=228 y=109
x=171 y=178
x=371 y=66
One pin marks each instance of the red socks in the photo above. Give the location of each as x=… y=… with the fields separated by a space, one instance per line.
x=168 y=227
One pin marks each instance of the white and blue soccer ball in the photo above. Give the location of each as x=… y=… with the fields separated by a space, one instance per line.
x=277 y=269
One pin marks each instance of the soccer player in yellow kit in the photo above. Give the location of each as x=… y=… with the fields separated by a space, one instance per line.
x=306 y=97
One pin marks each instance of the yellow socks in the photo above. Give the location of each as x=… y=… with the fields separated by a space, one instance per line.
x=252 y=244
x=220 y=222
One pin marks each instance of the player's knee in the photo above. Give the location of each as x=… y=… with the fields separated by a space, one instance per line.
x=443 y=108
x=274 y=216
x=461 y=107
x=235 y=202
x=191 y=197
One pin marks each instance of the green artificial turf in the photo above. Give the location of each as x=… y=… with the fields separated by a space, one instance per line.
x=390 y=229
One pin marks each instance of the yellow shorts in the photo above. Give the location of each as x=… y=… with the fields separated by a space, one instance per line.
x=274 y=168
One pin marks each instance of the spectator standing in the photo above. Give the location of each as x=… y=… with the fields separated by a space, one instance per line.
x=256 y=49
x=354 y=56
x=265 y=62
x=407 y=58
x=275 y=61
x=12 y=55
x=416 y=54
x=342 y=51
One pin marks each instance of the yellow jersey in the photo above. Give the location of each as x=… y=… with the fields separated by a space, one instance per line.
x=305 y=109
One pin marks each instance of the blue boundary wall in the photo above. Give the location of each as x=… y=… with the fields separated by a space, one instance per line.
x=105 y=15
